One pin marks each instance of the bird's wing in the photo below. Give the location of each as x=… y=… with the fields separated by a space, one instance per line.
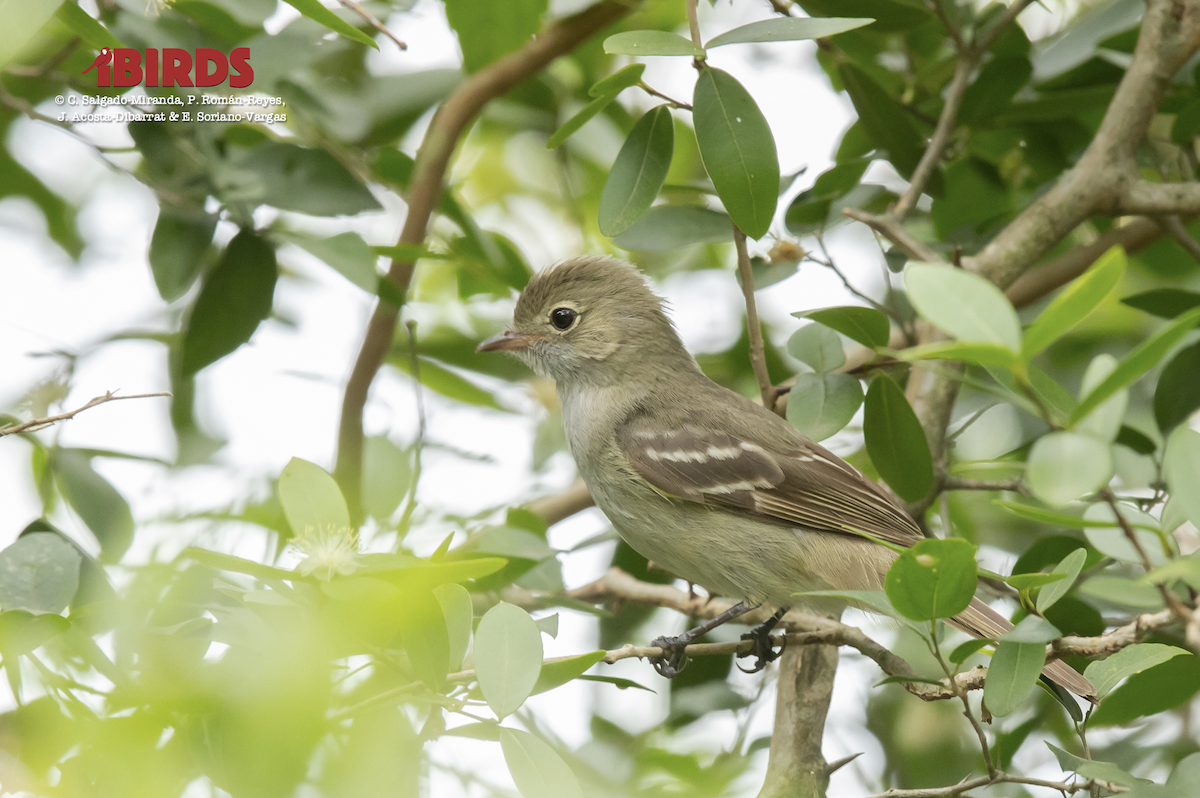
x=793 y=482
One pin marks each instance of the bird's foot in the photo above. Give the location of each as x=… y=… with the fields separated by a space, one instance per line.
x=764 y=646
x=674 y=658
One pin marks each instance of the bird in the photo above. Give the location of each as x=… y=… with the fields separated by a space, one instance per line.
x=713 y=487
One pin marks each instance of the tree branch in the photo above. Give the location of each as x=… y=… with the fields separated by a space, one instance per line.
x=893 y=231
x=36 y=424
x=425 y=190
x=758 y=358
x=941 y=135
x=1174 y=227
x=553 y=509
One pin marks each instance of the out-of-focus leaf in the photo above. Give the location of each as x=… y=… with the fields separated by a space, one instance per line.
x=1104 y=422
x=234 y=300
x=561 y=671
x=509 y=541
x=1064 y=466
x=1166 y=303
x=303 y=179
x=819 y=405
x=425 y=633
x=618 y=81
x=974 y=353
x=347 y=253
x=1076 y=301
x=311 y=498
x=1070 y=568
x=1135 y=440
x=1093 y=769
x=86 y=26
x=650 y=42
x=539 y=772
x=972 y=195
x=866 y=325
x=548 y=624
x=738 y=150
x=386 y=476
x=1031 y=629
x=818 y=346
x=39 y=573
x=1030 y=581
x=22 y=20
x=666 y=227
x=486 y=30
x=1011 y=676
x=997 y=83
x=97 y=502
x=964 y=305
x=886 y=123
x=1157 y=689
x=457 y=609
x=1177 y=395
x=638 y=173
x=787 y=29
x=580 y=119
x=895 y=440
x=1181 y=467
x=323 y=16
x=448 y=383
x=1105 y=674
x=508 y=657
x=181 y=240
x=619 y=683
x=1122 y=592
x=23 y=633
x=933 y=579
x=1111 y=540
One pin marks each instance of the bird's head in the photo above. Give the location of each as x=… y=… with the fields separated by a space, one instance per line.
x=589 y=319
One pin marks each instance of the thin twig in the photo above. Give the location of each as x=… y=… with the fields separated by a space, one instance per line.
x=941 y=135
x=415 y=364
x=758 y=357
x=1010 y=15
x=36 y=424
x=373 y=21
x=693 y=23
x=893 y=231
x=656 y=93
x=1176 y=230
x=829 y=263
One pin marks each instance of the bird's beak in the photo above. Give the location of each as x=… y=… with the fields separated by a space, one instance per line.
x=505 y=340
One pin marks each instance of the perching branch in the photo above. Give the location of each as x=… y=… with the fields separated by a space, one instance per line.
x=758 y=358
x=449 y=123
x=36 y=424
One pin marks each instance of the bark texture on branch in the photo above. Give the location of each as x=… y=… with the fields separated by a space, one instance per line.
x=796 y=766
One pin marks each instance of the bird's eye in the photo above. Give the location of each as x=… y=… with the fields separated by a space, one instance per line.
x=563 y=318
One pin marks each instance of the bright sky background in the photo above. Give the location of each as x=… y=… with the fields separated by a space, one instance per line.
x=279 y=396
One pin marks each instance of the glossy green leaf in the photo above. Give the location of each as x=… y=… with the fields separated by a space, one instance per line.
x=572 y=125
x=458 y=611
x=311 y=498
x=39 y=573
x=323 y=16
x=738 y=150
x=1070 y=568
x=386 y=476
x=866 y=325
x=1177 y=395
x=638 y=173
x=488 y=30
x=181 y=240
x=787 y=29
x=820 y=405
x=1138 y=362
x=650 y=42
x=1167 y=303
x=1104 y=422
x=347 y=253
x=86 y=27
x=234 y=300
x=1181 y=468
x=818 y=346
x=22 y=20
x=97 y=502
x=1075 y=302
x=1063 y=466
x=1031 y=629
x=1011 y=676
x=933 y=579
x=895 y=440
x=885 y=121
x=508 y=657
x=560 y=671
x=618 y=81
x=667 y=227
x=1105 y=674
x=537 y=769
x=963 y=305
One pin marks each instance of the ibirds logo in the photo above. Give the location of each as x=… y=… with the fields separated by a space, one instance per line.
x=124 y=66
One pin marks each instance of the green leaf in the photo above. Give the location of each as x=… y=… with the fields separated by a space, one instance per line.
x=39 y=573
x=990 y=92
x=1181 y=468
x=651 y=42
x=867 y=326
x=22 y=20
x=787 y=30
x=302 y=179
x=618 y=81
x=638 y=173
x=560 y=671
x=1104 y=422
x=97 y=502
x=1138 y=362
x=1093 y=769
x=1047 y=516
x=667 y=227
x=885 y=121
x=738 y=150
x=1075 y=302
x=1106 y=673
x=1031 y=629
x=386 y=476
x=508 y=657
x=323 y=16
x=311 y=498
x=233 y=301
x=621 y=684
x=580 y=119
x=977 y=354
x=447 y=383
x=1111 y=540
x=964 y=650
x=1180 y=568
x=1154 y=690
x=933 y=579
x=820 y=405
x=86 y=27
x=458 y=611
x=22 y=633
x=895 y=440
x=1030 y=581
x=539 y=772
x=346 y=253
x=1177 y=394
x=1167 y=303
x=488 y=30
x=1070 y=567
x=181 y=240
x=818 y=346
x=548 y=625
x=1122 y=592
x=1063 y=466
x=1011 y=676
x=425 y=633
x=1135 y=440
x=963 y=305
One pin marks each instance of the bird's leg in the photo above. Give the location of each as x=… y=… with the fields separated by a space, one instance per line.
x=763 y=650
x=672 y=661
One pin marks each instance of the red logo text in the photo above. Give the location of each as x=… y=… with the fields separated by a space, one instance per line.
x=173 y=66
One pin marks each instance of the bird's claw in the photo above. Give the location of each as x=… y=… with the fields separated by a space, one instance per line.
x=673 y=659
x=763 y=649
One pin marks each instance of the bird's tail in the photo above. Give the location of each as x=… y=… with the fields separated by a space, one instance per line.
x=980 y=620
